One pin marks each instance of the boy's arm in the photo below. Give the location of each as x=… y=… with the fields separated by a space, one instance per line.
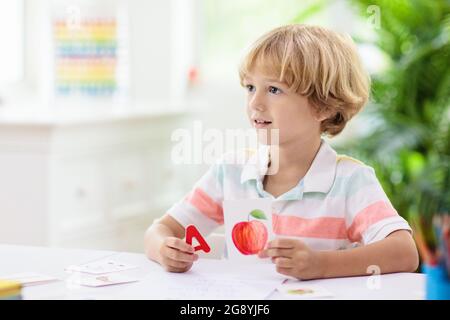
x=396 y=253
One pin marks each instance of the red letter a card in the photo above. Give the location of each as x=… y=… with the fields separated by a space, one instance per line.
x=192 y=232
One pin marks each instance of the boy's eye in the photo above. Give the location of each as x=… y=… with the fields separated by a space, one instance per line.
x=250 y=88
x=274 y=90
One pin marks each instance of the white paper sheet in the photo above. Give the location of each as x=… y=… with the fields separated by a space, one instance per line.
x=208 y=280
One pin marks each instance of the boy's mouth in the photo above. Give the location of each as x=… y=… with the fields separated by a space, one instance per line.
x=261 y=124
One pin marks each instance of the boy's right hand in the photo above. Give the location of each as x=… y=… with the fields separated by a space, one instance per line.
x=176 y=255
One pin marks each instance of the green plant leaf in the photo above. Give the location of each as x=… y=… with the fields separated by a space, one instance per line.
x=415 y=163
x=258 y=214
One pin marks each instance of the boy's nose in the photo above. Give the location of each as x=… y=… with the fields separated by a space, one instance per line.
x=256 y=103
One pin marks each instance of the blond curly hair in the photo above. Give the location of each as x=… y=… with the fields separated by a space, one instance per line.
x=317 y=63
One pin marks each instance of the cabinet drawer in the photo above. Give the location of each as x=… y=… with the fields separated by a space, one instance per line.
x=128 y=185
x=78 y=193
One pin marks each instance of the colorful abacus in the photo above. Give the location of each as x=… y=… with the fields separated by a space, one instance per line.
x=86 y=57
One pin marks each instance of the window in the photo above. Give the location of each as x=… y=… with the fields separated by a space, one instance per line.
x=231 y=26
x=11 y=41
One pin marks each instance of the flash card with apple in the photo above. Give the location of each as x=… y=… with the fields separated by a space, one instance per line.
x=248 y=227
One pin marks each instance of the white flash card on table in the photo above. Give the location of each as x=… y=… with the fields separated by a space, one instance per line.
x=29 y=278
x=248 y=228
x=90 y=280
x=291 y=289
x=100 y=267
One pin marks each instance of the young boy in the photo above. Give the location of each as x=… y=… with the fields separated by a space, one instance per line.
x=305 y=81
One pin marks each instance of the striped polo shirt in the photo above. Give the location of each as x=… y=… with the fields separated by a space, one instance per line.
x=338 y=204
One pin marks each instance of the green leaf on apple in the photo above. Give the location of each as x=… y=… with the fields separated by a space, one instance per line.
x=258 y=214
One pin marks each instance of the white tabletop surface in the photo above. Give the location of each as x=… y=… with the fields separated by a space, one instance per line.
x=53 y=261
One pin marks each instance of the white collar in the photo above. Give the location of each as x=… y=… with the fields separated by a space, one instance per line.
x=319 y=178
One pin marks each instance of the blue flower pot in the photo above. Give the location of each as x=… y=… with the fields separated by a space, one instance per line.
x=437 y=282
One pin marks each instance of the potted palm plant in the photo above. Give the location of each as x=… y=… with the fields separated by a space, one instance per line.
x=408 y=141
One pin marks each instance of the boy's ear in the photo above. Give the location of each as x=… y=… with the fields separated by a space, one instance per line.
x=321 y=115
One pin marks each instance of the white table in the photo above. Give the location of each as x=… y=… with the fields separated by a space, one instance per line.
x=52 y=261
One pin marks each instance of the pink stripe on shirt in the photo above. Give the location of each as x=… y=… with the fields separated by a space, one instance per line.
x=206 y=205
x=366 y=217
x=325 y=227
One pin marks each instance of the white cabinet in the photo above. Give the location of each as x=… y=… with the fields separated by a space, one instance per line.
x=77 y=196
x=129 y=180
x=91 y=183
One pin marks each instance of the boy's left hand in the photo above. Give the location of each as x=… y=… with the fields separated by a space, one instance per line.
x=294 y=258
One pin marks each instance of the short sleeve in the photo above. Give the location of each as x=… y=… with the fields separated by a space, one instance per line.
x=370 y=216
x=202 y=206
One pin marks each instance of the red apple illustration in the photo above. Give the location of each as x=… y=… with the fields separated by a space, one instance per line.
x=250 y=237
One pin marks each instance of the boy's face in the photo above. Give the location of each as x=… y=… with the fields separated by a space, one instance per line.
x=271 y=105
